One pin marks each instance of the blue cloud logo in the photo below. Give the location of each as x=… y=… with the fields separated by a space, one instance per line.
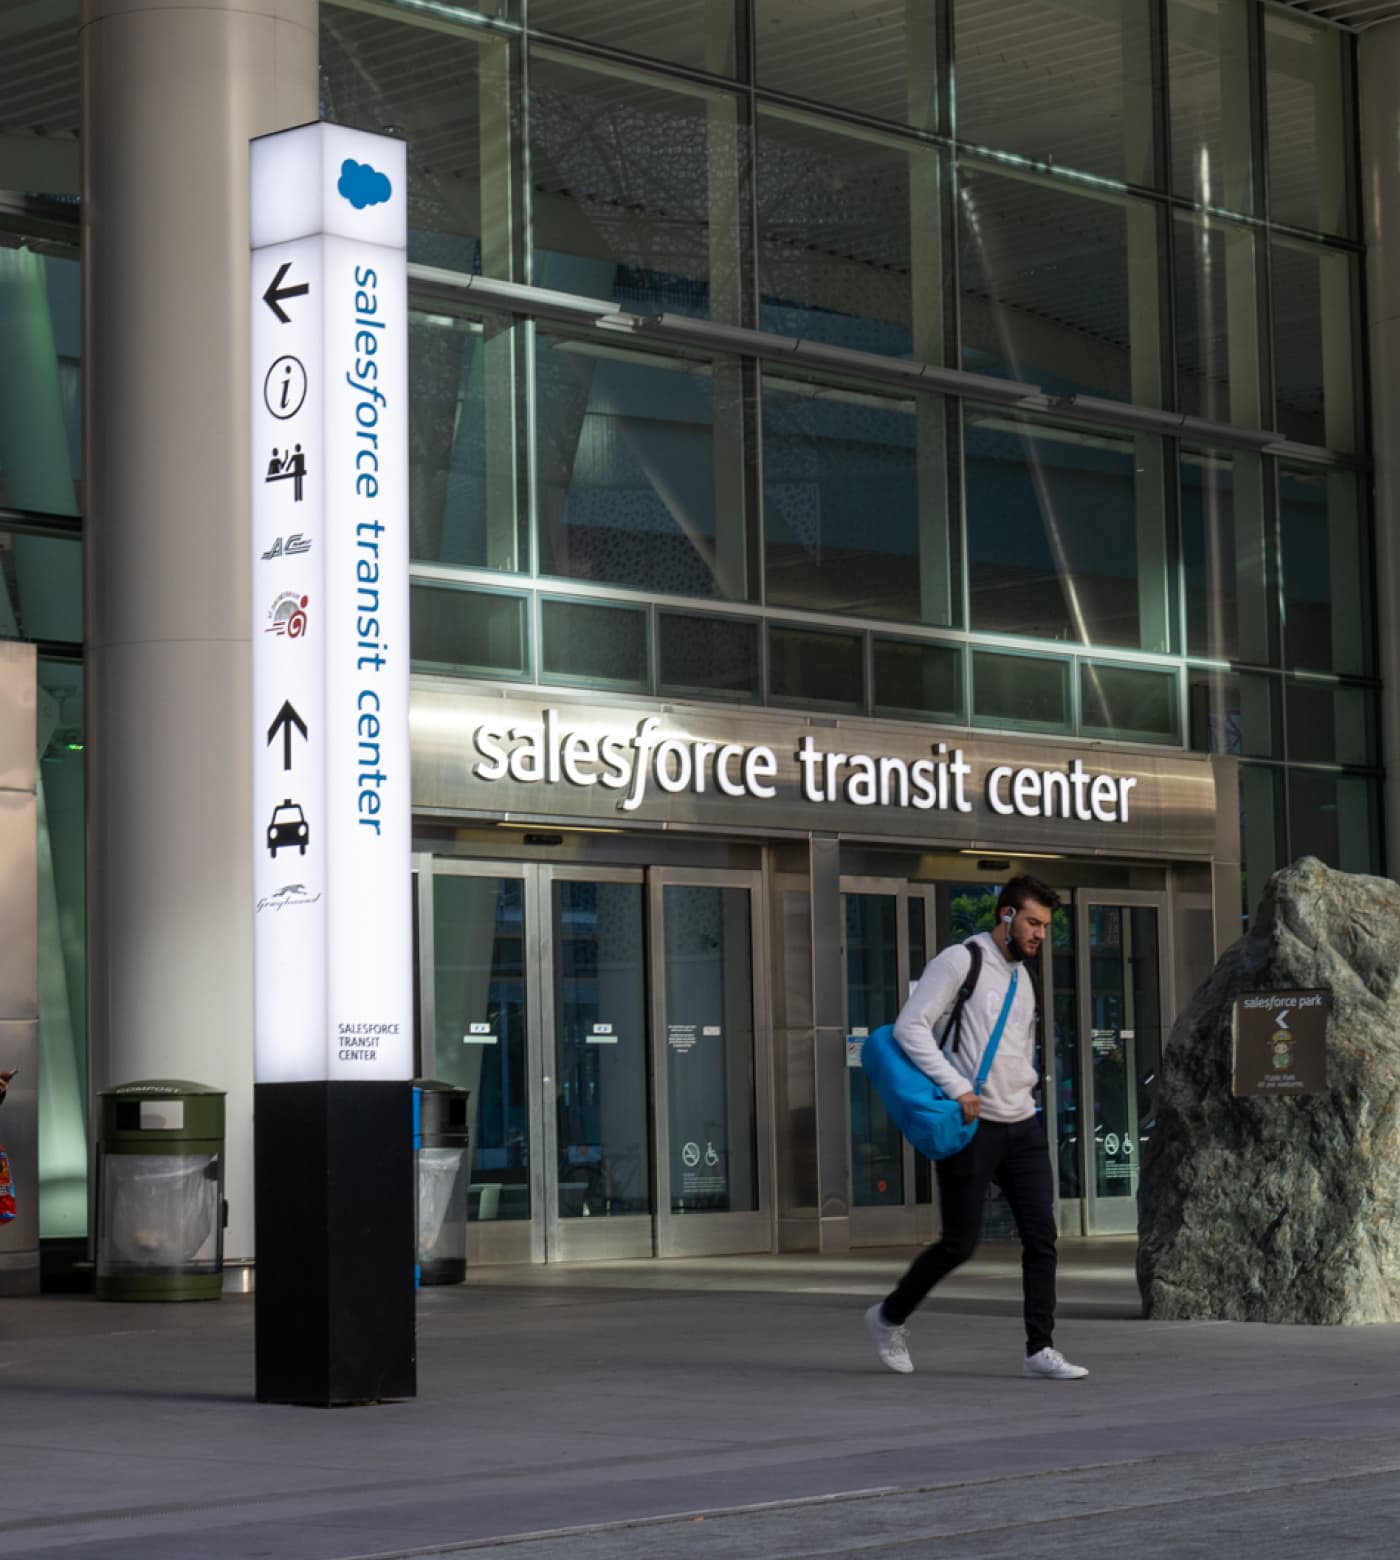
x=362 y=185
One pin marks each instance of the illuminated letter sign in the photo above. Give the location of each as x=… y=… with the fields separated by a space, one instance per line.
x=332 y=931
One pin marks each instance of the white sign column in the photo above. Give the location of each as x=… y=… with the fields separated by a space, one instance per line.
x=332 y=934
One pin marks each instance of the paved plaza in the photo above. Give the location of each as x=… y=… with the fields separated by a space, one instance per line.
x=711 y=1409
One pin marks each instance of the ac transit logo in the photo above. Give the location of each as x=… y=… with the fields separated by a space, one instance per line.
x=286 y=616
x=288 y=897
x=293 y=547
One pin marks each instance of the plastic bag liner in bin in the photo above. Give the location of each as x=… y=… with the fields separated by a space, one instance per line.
x=439 y=1175
x=161 y=1211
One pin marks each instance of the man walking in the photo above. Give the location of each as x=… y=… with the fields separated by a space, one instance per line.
x=1009 y=1146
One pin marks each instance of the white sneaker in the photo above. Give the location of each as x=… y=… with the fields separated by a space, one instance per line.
x=891 y=1343
x=1051 y=1365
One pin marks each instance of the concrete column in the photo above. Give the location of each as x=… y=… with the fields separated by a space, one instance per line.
x=1378 y=106
x=172 y=92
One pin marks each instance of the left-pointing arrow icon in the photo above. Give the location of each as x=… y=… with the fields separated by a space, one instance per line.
x=276 y=292
x=287 y=717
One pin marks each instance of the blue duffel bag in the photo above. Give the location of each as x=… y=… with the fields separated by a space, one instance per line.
x=931 y=1121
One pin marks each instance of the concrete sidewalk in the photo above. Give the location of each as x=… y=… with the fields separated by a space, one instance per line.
x=715 y=1408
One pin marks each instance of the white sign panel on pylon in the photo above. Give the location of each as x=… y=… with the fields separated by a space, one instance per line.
x=332 y=914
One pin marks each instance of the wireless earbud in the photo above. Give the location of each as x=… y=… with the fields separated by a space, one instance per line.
x=1008 y=916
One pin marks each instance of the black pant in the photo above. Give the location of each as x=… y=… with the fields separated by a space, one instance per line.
x=1016 y=1156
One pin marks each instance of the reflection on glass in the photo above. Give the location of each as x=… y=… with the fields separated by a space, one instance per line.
x=1335 y=818
x=1129 y=702
x=1217 y=320
x=630 y=473
x=810 y=665
x=479 y=985
x=697 y=33
x=1314 y=389
x=462 y=435
x=1324 y=598
x=850 y=236
x=707 y=657
x=1049 y=295
x=1017 y=71
x=1330 y=725
x=1068 y=1127
x=1308 y=133
x=601 y=1050
x=1211 y=557
x=872 y=998
x=914 y=680
x=832 y=459
x=635 y=188
x=41 y=390
x=1019 y=690
x=597 y=646
x=1261 y=830
x=1234 y=712
x=1125 y=1042
x=1207 y=47
x=880 y=60
x=710 y=1049
x=474 y=631
x=450 y=93
x=1052 y=529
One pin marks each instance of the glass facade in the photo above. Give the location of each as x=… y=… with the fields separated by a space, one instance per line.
x=725 y=476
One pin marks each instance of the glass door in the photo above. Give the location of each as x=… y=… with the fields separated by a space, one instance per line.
x=1122 y=964
x=597 y=1113
x=884 y=925
x=710 y=1064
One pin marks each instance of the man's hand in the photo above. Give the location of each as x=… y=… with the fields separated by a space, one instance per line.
x=971 y=1106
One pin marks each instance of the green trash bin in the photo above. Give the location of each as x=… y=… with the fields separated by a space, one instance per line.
x=160 y=1192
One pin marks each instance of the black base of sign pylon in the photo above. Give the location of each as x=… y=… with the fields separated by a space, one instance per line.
x=336 y=1242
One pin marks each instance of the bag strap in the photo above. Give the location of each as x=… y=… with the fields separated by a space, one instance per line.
x=952 y=1035
x=989 y=1055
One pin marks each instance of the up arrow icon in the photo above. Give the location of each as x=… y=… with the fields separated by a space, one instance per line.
x=287 y=717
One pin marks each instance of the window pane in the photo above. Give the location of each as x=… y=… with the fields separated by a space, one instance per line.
x=40 y=107
x=1051 y=532
x=710 y=657
x=1234 y=712
x=462 y=438
x=809 y=665
x=850 y=239
x=1329 y=725
x=630 y=473
x=41 y=588
x=1208 y=70
x=1313 y=366
x=41 y=387
x=635 y=189
x=1128 y=702
x=697 y=33
x=480 y=1001
x=1308 y=128
x=593 y=645
x=917 y=680
x=1217 y=328
x=879 y=58
x=468 y=631
x=1324 y=600
x=1019 y=690
x=1231 y=611
x=1018 y=68
x=832 y=459
x=1059 y=288
x=437 y=89
x=1335 y=818
x=1261 y=831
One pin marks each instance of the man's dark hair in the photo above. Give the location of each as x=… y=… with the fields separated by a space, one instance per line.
x=1018 y=890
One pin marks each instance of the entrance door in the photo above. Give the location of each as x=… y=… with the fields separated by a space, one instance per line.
x=545 y=992
x=885 y=925
x=710 y=1064
x=1122 y=970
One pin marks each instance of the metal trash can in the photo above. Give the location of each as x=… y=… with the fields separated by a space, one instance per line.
x=443 y=1170
x=160 y=1191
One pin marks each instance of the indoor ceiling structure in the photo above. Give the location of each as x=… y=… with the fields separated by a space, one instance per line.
x=1356 y=14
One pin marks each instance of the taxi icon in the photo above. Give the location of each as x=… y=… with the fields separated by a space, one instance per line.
x=288 y=828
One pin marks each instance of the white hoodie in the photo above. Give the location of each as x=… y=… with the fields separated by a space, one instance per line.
x=1006 y=1095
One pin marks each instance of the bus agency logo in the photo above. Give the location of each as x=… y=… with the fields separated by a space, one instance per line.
x=286 y=617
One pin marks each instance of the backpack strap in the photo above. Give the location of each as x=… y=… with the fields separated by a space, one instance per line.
x=952 y=1035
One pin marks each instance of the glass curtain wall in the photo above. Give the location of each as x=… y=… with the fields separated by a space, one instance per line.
x=1147 y=206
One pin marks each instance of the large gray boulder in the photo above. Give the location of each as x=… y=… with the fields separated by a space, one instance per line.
x=1284 y=1209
